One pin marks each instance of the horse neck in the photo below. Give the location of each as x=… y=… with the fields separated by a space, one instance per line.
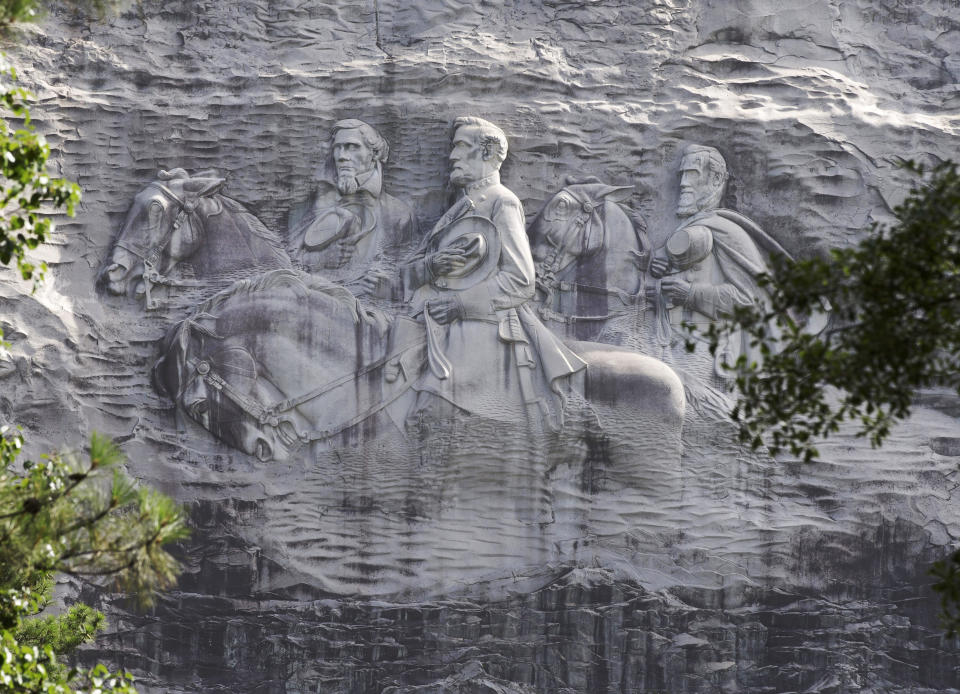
x=612 y=265
x=223 y=240
x=620 y=242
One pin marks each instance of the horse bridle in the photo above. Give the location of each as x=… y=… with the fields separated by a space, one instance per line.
x=272 y=414
x=151 y=257
x=548 y=268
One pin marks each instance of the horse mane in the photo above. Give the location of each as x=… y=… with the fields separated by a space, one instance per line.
x=255 y=226
x=299 y=281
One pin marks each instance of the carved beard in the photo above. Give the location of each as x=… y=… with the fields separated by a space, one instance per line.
x=695 y=201
x=347 y=183
x=688 y=205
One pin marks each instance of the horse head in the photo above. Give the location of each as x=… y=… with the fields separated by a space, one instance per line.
x=163 y=228
x=576 y=222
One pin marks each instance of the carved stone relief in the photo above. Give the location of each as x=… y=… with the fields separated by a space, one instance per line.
x=706 y=269
x=182 y=236
x=435 y=349
x=441 y=361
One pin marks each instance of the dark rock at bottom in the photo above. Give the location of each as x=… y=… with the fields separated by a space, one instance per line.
x=584 y=632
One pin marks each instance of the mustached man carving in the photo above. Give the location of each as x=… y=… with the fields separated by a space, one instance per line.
x=351 y=227
x=706 y=269
x=471 y=283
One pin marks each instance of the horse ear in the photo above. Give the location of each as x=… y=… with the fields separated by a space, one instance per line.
x=172 y=174
x=574 y=180
x=615 y=193
x=202 y=187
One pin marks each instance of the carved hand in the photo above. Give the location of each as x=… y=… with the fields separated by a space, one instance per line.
x=675 y=289
x=370 y=282
x=641 y=259
x=659 y=266
x=445 y=262
x=444 y=310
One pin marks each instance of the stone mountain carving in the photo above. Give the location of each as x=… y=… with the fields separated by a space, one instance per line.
x=706 y=269
x=471 y=339
x=464 y=396
x=181 y=233
x=284 y=360
x=351 y=228
x=588 y=256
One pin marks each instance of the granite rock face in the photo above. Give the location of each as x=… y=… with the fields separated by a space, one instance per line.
x=474 y=556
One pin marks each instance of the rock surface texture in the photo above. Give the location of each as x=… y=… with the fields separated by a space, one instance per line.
x=421 y=550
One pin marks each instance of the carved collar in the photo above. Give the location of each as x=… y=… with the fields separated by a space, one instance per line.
x=482 y=184
x=371 y=182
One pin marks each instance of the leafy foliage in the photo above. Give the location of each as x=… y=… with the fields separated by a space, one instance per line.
x=81 y=518
x=894 y=328
x=84 y=518
x=27 y=192
x=16 y=11
x=894 y=303
x=27 y=667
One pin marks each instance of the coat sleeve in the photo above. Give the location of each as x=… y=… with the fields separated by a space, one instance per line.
x=739 y=261
x=513 y=284
x=716 y=300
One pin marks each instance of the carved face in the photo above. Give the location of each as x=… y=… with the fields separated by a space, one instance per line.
x=351 y=155
x=468 y=160
x=698 y=185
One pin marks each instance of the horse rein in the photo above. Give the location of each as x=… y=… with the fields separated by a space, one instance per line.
x=271 y=415
x=150 y=258
x=547 y=270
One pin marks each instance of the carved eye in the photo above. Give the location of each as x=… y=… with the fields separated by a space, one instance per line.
x=561 y=209
x=155 y=213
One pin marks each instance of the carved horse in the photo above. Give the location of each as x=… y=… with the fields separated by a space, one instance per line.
x=283 y=360
x=181 y=232
x=588 y=254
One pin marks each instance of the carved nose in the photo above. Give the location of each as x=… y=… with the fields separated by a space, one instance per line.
x=263 y=450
